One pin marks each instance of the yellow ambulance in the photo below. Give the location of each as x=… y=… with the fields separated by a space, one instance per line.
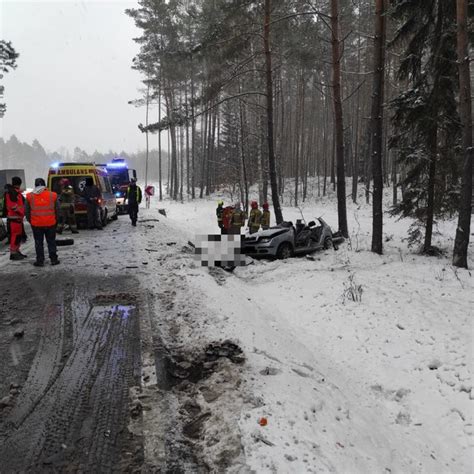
x=76 y=174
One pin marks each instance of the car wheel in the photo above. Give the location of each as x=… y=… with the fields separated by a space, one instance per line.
x=327 y=243
x=284 y=251
x=115 y=216
x=104 y=218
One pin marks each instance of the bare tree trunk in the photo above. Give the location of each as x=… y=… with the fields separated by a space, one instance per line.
x=174 y=162
x=244 y=180
x=433 y=148
x=333 y=161
x=377 y=127
x=203 y=153
x=269 y=83
x=181 y=161
x=355 y=173
x=193 y=137
x=146 y=133
x=461 y=242
x=297 y=137
x=394 y=181
x=281 y=182
x=339 y=126
x=174 y=158
x=212 y=176
x=210 y=146
x=325 y=143
x=168 y=182
x=159 y=147
x=188 y=171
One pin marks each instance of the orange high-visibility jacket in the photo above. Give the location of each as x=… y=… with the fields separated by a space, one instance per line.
x=42 y=208
x=15 y=209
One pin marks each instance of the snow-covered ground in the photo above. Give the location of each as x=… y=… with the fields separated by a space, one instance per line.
x=383 y=384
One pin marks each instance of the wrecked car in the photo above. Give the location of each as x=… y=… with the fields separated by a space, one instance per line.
x=287 y=240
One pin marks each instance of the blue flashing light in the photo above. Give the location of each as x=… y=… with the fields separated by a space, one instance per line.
x=118 y=194
x=117 y=165
x=55 y=165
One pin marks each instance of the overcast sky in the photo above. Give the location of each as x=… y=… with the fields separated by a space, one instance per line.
x=73 y=79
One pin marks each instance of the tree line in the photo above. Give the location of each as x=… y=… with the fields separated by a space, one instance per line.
x=283 y=93
x=35 y=160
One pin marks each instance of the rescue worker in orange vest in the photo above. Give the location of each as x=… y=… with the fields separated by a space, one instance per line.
x=238 y=220
x=42 y=213
x=265 y=220
x=15 y=211
x=254 y=218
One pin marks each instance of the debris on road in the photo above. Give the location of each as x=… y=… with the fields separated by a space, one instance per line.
x=19 y=333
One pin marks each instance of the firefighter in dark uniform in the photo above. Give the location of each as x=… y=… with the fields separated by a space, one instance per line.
x=254 y=218
x=265 y=220
x=238 y=220
x=92 y=196
x=134 y=198
x=219 y=214
x=66 y=208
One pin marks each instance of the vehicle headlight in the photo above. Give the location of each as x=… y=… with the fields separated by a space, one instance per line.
x=265 y=240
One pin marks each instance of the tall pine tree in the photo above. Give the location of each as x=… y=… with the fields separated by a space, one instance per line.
x=425 y=114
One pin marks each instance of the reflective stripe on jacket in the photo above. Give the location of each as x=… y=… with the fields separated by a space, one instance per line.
x=15 y=209
x=134 y=196
x=238 y=218
x=254 y=218
x=42 y=208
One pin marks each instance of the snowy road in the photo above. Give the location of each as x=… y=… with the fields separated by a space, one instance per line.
x=70 y=372
x=87 y=382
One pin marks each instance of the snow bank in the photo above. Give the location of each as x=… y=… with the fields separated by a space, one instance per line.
x=383 y=384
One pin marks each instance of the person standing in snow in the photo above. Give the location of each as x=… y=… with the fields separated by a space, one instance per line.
x=219 y=214
x=134 y=198
x=227 y=219
x=14 y=203
x=265 y=220
x=66 y=206
x=92 y=196
x=41 y=212
x=254 y=218
x=149 y=192
x=238 y=219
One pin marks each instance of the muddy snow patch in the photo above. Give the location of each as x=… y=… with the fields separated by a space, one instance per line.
x=204 y=387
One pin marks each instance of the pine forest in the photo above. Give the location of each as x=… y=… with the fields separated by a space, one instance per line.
x=344 y=94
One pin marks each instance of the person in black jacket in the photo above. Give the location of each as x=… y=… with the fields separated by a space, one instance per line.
x=92 y=196
x=134 y=198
